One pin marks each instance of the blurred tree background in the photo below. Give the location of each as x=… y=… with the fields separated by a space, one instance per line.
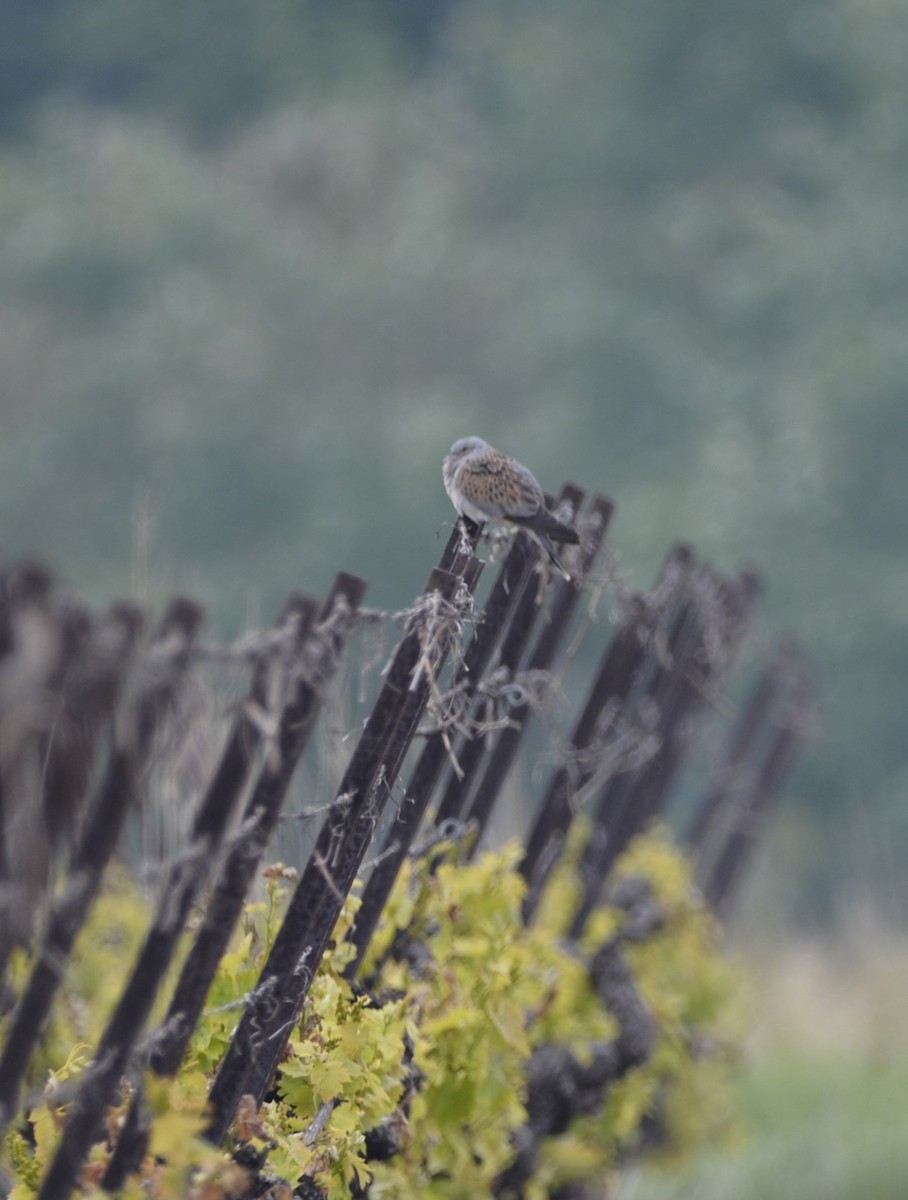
x=260 y=264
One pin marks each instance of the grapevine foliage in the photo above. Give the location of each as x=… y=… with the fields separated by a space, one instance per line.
x=414 y=1083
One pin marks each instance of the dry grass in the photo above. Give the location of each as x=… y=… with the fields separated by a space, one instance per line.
x=841 y=996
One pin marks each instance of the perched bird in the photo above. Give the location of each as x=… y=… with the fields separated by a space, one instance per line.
x=486 y=485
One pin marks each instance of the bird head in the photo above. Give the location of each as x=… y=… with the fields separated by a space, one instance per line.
x=466 y=446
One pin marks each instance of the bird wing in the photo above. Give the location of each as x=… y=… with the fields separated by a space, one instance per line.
x=503 y=487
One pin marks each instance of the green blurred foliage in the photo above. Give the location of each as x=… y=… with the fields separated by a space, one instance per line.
x=817 y=1128
x=260 y=266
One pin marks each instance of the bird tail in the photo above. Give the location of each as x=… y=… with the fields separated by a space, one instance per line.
x=548 y=525
x=545 y=542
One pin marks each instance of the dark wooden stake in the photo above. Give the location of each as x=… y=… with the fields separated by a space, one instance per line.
x=319 y=649
x=498 y=762
x=509 y=584
x=677 y=694
x=272 y=1011
x=115 y=796
x=101 y=1079
x=625 y=661
x=761 y=749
